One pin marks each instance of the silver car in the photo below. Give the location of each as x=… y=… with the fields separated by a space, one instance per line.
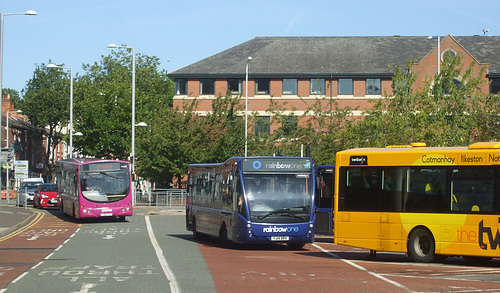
x=26 y=193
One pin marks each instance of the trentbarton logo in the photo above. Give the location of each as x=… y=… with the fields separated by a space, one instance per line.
x=280 y=229
x=358 y=160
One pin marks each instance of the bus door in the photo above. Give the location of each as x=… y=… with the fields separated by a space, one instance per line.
x=324 y=199
x=390 y=205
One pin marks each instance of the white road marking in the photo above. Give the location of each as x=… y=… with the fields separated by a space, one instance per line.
x=362 y=268
x=174 y=286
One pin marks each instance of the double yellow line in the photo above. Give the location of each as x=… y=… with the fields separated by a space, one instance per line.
x=37 y=219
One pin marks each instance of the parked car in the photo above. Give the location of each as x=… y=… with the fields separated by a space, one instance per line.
x=27 y=190
x=46 y=195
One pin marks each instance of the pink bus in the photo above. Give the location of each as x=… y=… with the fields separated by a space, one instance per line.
x=94 y=188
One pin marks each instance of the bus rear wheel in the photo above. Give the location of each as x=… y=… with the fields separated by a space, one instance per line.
x=421 y=246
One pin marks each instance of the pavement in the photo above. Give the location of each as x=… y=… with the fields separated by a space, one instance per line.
x=13 y=218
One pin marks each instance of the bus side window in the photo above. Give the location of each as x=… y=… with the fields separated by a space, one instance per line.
x=362 y=190
x=425 y=192
x=391 y=196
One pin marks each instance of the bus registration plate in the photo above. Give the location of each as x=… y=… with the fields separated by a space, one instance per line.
x=106 y=214
x=280 y=238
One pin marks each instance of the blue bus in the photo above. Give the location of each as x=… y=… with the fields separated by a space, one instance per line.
x=324 y=199
x=253 y=200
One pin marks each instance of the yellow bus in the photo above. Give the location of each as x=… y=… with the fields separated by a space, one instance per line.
x=429 y=202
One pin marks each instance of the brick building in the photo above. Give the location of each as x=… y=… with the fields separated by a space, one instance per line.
x=349 y=70
x=22 y=140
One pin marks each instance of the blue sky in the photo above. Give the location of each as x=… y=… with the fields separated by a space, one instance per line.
x=183 y=32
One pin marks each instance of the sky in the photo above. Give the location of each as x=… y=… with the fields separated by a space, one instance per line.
x=182 y=32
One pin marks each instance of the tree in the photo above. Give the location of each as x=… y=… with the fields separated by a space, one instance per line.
x=14 y=96
x=178 y=138
x=103 y=102
x=444 y=113
x=46 y=104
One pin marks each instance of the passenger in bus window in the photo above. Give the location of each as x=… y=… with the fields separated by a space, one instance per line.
x=240 y=204
x=84 y=184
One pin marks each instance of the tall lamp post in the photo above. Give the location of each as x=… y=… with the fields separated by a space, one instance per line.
x=8 y=147
x=29 y=12
x=246 y=105
x=70 y=155
x=132 y=152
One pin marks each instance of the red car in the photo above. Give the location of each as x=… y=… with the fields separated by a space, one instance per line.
x=46 y=195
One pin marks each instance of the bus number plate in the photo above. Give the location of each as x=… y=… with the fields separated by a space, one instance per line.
x=280 y=238
x=106 y=214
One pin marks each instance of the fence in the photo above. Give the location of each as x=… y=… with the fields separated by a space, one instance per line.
x=165 y=198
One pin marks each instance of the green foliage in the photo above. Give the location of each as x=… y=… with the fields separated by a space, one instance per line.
x=444 y=112
x=103 y=102
x=290 y=134
x=46 y=103
x=178 y=138
x=14 y=96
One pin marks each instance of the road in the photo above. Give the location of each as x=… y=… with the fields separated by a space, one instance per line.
x=154 y=253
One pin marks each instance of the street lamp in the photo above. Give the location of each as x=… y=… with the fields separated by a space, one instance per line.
x=132 y=152
x=438 y=52
x=246 y=105
x=29 y=12
x=8 y=147
x=70 y=105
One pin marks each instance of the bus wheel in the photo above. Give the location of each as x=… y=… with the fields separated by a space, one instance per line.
x=196 y=235
x=223 y=235
x=421 y=245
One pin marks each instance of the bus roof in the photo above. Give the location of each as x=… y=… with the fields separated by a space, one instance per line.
x=79 y=161
x=482 y=153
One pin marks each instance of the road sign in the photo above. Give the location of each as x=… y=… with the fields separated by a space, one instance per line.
x=21 y=169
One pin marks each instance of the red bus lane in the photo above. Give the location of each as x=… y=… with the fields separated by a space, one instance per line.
x=26 y=247
x=328 y=267
x=280 y=269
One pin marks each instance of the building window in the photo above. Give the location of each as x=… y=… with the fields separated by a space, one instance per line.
x=290 y=86
x=448 y=55
x=234 y=85
x=290 y=124
x=262 y=126
x=448 y=87
x=373 y=86
x=181 y=86
x=262 y=86
x=495 y=86
x=345 y=86
x=317 y=86
x=207 y=86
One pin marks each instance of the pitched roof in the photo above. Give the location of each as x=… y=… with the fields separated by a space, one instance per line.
x=325 y=56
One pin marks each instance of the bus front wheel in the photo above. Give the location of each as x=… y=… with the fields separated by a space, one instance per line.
x=223 y=235
x=196 y=234
x=421 y=245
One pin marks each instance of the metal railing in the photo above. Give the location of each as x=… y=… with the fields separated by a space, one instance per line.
x=165 y=198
